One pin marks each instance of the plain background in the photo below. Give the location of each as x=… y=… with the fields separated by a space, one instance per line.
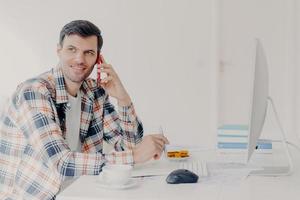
x=187 y=64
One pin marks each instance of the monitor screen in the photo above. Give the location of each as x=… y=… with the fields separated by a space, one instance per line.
x=259 y=97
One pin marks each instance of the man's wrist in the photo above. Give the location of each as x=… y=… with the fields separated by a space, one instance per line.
x=124 y=102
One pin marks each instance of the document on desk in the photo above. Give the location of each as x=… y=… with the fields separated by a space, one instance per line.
x=154 y=168
x=229 y=173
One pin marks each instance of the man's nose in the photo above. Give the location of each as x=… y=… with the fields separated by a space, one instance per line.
x=79 y=58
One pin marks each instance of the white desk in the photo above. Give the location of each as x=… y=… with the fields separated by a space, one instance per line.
x=286 y=187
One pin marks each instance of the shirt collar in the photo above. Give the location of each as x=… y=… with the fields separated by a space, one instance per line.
x=60 y=86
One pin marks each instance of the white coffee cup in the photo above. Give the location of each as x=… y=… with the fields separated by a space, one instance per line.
x=116 y=174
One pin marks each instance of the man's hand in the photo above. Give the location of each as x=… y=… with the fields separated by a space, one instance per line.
x=113 y=85
x=151 y=146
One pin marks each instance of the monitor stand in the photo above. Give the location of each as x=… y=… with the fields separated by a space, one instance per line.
x=277 y=170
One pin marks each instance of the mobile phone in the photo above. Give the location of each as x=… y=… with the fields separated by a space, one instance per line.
x=99 y=62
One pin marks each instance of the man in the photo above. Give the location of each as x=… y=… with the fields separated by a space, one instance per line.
x=55 y=124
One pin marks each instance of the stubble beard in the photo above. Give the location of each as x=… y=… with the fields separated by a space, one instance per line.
x=71 y=76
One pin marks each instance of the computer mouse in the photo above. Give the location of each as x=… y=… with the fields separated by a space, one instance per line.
x=182 y=176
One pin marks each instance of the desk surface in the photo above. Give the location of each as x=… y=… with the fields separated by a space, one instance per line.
x=253 y=187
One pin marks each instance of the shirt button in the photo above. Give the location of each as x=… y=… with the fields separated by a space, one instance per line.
x=17 y=100
x=68 y=105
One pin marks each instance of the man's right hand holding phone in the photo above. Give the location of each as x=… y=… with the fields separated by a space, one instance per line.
x=112 y=83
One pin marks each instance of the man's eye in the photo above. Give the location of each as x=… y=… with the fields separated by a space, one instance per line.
x=71 y=49
x=90 y=53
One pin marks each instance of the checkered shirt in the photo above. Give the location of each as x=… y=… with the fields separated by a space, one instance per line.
x=34 y=156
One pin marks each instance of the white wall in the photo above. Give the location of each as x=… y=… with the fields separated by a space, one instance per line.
x=274 y=22
x=167 y=54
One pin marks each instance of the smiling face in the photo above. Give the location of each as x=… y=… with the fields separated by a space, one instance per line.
x=77 y=57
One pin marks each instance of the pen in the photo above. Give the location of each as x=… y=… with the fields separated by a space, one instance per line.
x=162 y=132
x=146 y=176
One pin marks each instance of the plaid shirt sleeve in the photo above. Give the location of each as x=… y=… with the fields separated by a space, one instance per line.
x=123 y=130
x=37 y=119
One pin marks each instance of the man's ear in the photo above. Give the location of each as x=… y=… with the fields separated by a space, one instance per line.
x=58 y=49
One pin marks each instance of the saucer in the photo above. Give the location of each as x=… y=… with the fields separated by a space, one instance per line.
x=102 y=184
x=178 y=159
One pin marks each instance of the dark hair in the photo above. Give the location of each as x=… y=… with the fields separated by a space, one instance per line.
x=83 y=28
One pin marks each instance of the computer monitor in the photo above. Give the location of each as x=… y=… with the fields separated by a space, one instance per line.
x=259 y=101
x=258 y=110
